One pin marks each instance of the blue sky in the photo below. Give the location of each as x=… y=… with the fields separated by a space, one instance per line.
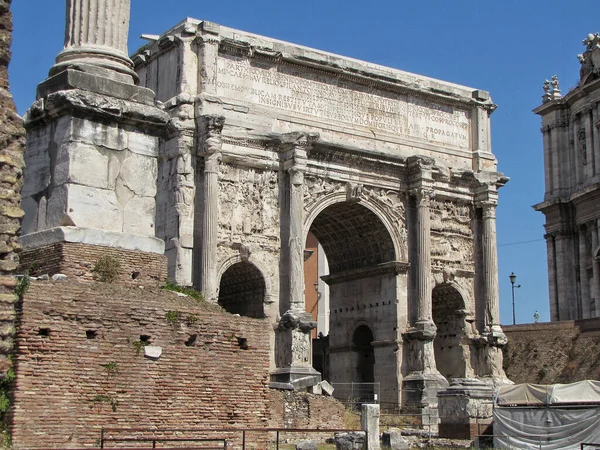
x=506 y=47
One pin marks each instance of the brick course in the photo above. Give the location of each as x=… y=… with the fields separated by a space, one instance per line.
x=77 y=261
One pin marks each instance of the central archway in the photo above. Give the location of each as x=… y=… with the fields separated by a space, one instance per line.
x=362 y=297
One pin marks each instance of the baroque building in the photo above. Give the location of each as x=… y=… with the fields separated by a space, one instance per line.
x=571 y=130
x=222 y=150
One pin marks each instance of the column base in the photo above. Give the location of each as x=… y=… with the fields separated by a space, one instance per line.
x=465 y=408
x=97 y=80
x=294 y=378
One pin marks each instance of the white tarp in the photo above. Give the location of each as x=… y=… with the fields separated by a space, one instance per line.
x=560 y=416
x=541 y=394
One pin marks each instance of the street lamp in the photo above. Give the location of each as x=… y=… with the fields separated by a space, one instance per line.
x=513 y=278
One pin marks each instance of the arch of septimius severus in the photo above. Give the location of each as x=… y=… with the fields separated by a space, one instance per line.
x=251 y=144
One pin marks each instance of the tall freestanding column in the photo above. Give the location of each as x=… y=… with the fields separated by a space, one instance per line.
x=92 y=149
x=211 y=151
x=423 y=381
x=96 y=35
x=294 y=353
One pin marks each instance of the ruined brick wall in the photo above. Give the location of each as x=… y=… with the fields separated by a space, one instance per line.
x=12 y=146
x=78 y=366
x=78 y=260
x=558 y=352
x=291 y=409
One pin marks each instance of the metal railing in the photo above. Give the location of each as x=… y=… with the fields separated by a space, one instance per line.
x=230 y=442
x=353 y=394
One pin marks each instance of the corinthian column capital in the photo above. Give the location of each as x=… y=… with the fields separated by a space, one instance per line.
x=488 y=209
x=423 y=196
x=211 y=129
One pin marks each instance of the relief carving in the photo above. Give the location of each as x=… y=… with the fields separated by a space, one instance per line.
x=393 y=203
x=582 y=146
x=248 y=201
x=451 y=234
x=315 y=188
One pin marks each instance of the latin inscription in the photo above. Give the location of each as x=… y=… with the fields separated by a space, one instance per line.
x=329 y=98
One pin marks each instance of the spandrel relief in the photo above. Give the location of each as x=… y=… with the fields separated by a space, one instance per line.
x=248 y=204
x=392 y=202
x=451 y=217
x=315 y=188
x=451 y=235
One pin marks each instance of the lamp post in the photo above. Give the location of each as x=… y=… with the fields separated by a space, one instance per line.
x=513 y=278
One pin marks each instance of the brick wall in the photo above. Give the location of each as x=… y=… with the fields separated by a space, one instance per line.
x=557 y=352
x=78 y=368
x=77 y=261
x=12 y=146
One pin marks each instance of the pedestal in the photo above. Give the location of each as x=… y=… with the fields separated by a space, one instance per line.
x=465 y=408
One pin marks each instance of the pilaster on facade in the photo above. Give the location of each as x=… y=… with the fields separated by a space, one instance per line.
x=207 y=43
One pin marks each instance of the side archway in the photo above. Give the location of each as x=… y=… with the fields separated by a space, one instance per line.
x=362 y=339
x=449 y=315
x=242 y=290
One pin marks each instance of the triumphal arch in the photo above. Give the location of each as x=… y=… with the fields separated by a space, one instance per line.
x=249 y=145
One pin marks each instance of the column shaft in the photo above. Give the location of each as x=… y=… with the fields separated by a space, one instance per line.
x=583 y=276
x=596 y=270
x=490 y=264
x=97 y=23
x=296 y=246
x=211 y=150
x=210 y=227
x=423 y=233
x=552 y=289
x=595 y=140
x=96 y=35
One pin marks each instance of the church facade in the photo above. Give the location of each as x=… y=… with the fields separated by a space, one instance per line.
x=571 y=130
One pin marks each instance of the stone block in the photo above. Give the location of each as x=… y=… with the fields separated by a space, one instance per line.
x=81 y=164
x=76 y=79
x=350 y=441
x=306 y=445
x=138 y=173
x=326 y=387
x=394 y=440
x=369 y=422
x=142 y=144
x=106 y=135
x=89 y=207
x=138 y=216
x=152 y=351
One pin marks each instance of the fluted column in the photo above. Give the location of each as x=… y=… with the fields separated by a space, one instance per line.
x=552 y=282
x=212 y=156
x=293 y=339
x=490 y=265
x=596 y=268
x=296 y=244
x=583 y=275
x=96 y=35
x=492 y=336
x=423 y=235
